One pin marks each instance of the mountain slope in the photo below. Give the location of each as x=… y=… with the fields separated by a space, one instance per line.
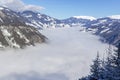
x=108 y=28
x=14 y=32
x=39 y=20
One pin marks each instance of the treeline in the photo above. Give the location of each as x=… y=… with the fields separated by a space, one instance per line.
x=108 y=69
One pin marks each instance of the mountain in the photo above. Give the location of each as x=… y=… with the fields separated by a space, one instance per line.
x=85 y=17
x=39 y=20
x=114 y=17
x=78 y=20
x=42 y=21
x=108 y=28
x=14 y=32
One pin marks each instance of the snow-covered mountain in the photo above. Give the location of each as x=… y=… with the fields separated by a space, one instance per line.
x=43 y=21
x=14 y=32
x=39 y=20
x=78 y=20
x=108 y=28
x=85 y=17
x=114 y=17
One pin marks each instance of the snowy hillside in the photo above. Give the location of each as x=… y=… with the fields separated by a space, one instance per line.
x=102 y=26
x=39 y=20
x=66 y=56
x=107 y=28
x=14 y=32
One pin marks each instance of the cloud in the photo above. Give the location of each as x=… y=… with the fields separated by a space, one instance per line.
x=67 y=55
x=34 y=76
x=18 y=5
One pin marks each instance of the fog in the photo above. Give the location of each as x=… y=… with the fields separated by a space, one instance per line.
x=67 y=55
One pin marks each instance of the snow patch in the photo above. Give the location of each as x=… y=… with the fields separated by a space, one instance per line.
x=102 y=21
x=1 y=8
x=85 y=17
x=114 y=17
x=105 y=30
x=5 y=32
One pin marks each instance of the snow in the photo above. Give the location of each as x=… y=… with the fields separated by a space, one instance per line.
x=102 y=21
x=105 y=30
x=66 y=56
x=39 y=16
x=1 y=46
x=1 y=20
x=114 y=17
x=5 y=32
x=92 y=30
x=9 y=38
x=13 y=44
x=36 y=24
x=22 y=36
x=28 y=16
x=1 y=8
x=85 y=17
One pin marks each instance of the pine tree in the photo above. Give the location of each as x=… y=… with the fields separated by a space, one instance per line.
x=112 y=67
x=108 y=68
x=96 y=68
x=116 y=64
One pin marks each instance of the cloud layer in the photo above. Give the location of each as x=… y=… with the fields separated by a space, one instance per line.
x=67 y=56
x=18 y=5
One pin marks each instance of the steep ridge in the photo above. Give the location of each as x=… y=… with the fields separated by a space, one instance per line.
x=40 y=21
x=14 y=32
x=108 y=28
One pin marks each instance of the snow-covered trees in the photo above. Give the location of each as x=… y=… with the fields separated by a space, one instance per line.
x=116 y=64
x=95 y=68
x=112 y=65
x=108 y=69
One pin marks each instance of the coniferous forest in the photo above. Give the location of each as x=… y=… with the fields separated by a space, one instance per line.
x=108 y=69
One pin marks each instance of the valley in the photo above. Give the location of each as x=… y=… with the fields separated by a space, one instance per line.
x=66 y=55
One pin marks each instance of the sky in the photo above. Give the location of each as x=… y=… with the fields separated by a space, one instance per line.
x=68 y=8
x=62 y=9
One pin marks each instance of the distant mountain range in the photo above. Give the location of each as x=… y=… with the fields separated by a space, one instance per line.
x=21 y=28
x=107 y=27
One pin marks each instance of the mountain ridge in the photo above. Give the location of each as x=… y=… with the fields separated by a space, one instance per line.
x=15 y=33
x=99 y=26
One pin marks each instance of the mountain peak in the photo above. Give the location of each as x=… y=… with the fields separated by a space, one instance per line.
x=114 y=17
x=85 y=17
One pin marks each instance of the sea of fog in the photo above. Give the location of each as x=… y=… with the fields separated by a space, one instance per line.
x=67 y=55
